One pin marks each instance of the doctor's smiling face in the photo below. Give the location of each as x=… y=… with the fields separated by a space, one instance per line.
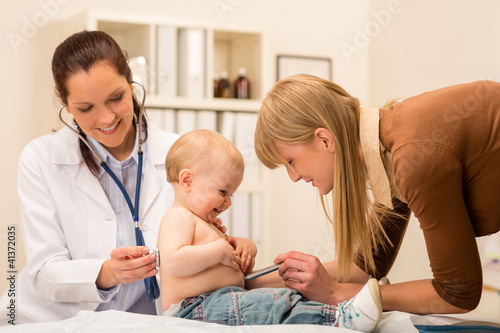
x=100 y=101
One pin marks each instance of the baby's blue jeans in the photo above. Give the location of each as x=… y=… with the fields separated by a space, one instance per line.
x=265 y=306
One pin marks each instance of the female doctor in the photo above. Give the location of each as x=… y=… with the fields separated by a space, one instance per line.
x=78 y=230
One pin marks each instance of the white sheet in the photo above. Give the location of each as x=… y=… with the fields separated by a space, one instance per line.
x=402 y=322
x=117 y=321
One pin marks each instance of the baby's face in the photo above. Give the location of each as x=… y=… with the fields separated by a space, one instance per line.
x=212 y=186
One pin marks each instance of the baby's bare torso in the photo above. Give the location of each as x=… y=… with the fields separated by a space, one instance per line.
x=176 y=288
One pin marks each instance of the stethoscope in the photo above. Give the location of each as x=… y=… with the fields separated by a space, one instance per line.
x=150 y=282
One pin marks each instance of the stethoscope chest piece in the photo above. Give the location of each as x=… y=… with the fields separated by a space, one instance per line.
x=156 y=252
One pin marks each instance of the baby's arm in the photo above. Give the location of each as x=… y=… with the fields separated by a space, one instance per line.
x=180 y=257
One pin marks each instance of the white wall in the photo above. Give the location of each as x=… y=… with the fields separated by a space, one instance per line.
x=431 y=44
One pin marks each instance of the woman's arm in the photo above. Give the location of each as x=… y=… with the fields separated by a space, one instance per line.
x=61 y=275
x=435 y=195
x=415 y=297
x=356 y=274
x=305 y=273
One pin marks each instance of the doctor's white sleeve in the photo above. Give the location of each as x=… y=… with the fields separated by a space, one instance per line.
x=55 y=274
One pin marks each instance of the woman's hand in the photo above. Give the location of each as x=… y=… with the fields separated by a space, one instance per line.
x=246 y=249
x=126 y=265
x=306 y=274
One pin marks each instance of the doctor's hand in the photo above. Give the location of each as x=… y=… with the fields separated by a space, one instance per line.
x=306 y=274
x=126 y=265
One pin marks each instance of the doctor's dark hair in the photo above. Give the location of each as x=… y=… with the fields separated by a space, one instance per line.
x=81 y=51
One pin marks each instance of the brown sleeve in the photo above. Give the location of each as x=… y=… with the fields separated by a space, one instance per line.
x=429 y=176
x=394 y=227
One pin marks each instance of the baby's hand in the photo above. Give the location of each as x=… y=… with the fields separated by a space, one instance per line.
x=247 y=250
x=229 y=256
x=218 y=224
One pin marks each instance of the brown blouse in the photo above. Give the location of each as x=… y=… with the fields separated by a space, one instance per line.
x=445 y=152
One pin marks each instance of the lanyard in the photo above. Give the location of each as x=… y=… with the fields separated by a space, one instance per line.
x=150 y=282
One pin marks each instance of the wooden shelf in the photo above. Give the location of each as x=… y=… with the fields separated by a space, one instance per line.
x=215 y=104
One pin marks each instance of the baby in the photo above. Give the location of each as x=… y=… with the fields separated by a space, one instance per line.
x=202 y=269
x=205 y=169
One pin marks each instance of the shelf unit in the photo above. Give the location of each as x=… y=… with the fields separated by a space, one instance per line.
x=222 y=49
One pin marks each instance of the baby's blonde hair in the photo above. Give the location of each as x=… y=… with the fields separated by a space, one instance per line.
x=198 y=147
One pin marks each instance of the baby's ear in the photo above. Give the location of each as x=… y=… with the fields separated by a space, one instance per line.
x=185 y=179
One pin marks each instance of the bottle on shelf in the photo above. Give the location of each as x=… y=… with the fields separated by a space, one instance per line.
x=241 y=85
x=224 y=85
x=216 y=85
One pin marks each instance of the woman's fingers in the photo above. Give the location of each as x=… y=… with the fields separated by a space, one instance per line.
x=132 y=263
x=296 y=261
x=129 y=252
x=306 y=274
x=292 y=255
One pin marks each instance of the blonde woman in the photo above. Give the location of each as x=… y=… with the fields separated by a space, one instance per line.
x=436 y=155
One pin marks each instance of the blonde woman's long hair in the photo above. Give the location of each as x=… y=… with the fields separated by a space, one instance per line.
x=291 y=112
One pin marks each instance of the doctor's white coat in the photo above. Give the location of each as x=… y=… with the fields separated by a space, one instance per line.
x=69 y=227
